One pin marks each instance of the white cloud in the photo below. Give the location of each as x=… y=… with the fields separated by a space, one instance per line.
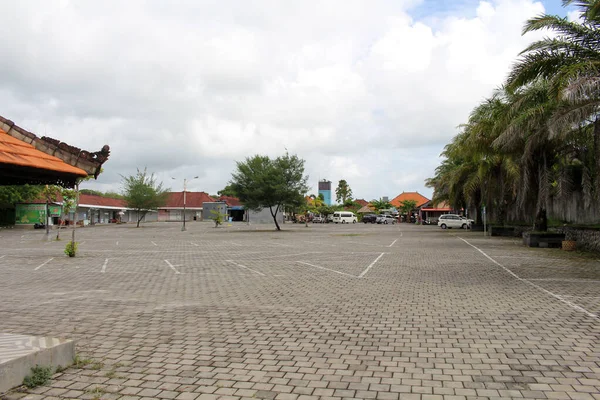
x=362 y=90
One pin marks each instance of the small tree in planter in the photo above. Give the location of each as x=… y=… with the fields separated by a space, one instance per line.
x=217 y=217
x=71 y=249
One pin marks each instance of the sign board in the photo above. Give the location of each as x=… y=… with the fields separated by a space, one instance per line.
x=27 y=214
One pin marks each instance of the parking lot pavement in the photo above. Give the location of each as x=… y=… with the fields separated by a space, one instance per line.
x=324 y=312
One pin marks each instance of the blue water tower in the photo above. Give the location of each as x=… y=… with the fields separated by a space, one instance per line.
x=325 y=190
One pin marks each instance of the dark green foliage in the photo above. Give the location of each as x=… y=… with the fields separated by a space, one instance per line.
x=143 y=193
x=261 y=182
x=10 y=195
x=39 y=376
x=112 y=195
x=227 y=191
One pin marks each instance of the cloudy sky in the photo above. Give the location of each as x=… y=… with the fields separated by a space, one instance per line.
x=367 y=91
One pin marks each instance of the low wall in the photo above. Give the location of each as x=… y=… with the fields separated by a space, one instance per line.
x=587 y=239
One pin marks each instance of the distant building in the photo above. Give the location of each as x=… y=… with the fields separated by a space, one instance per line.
x=173 y=209
x=417 y=197
x=325 y=190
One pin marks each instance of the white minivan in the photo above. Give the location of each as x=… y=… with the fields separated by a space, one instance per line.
x=344 y=217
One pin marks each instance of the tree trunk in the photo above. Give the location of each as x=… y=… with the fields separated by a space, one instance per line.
x=541 y=220
x=274 y=215
x=597 y=157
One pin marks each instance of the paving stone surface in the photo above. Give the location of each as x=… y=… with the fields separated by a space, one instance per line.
x=324 y=312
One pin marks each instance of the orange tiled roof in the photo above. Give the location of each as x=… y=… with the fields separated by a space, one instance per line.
x=416 y=196
x=362 y=202
x=16 y=152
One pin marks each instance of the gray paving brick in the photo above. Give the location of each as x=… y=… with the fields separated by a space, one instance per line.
x=433 y=318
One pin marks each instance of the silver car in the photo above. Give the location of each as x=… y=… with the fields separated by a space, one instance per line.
x=386 y=219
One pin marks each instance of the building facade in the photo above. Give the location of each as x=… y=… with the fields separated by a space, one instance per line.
x=192 y=202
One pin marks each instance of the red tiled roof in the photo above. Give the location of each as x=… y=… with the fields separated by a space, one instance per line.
x=192 y=199
x=231 y=201
x=16 y=152
x=416 y=196
x=442 y=206
x=100 y=201
x=362 y=202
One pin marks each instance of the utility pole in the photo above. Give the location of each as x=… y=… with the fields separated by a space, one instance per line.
x=184 y=199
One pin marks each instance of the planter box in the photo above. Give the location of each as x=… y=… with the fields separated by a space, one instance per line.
x=502 y=231
x=569 y=245
x=543 y=239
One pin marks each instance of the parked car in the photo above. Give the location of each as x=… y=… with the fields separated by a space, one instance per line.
x=386 y=219
x=344 y=217
x=469 y=221
x=317 y=219
x=452 y=221
x=329 y=218
x=369 y=218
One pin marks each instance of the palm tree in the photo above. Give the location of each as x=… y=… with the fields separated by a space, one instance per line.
x=570 y=62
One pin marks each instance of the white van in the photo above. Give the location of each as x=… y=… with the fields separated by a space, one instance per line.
x=344 y=217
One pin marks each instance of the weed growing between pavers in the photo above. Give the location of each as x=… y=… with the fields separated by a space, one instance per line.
x=96 y=392
x=79 y=362
x=39 y=376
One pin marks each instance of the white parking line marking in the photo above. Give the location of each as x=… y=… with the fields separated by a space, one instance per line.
x=560 y=298
x=82 y=242
x=370 y=266
x=564 y=280
x=59 y=300
x=280 y=244
x=117 y=243
x=40 y=266
x=153 y=243
x=393 y=243
x=243 y=266
x=3 y=256
x=327 y=269
x=173 y=267
x=195 y=244
x=104 y=266
x=77 y=291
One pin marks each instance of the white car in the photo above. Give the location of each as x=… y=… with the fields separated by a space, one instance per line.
x=317 y=219
x=453 y=221
x=386 y=219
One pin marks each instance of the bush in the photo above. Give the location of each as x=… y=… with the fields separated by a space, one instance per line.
x=39 y=376
x=71 y=249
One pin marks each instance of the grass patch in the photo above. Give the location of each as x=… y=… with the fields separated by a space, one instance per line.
x=79 y=362
x=96 y=392
x=97 y=366
x=39 y=376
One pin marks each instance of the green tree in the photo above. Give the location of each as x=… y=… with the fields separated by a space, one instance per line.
x=407 y=206
x=227 y=191
x=343 y=192
x=261 y=182
x=11 y=195
x=569 y=63
x=143 y=193
x=380 y=204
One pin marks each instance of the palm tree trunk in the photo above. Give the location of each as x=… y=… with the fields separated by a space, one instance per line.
x=597 y=158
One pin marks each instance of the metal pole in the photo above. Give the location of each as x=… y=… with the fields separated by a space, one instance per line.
x=184 y=188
